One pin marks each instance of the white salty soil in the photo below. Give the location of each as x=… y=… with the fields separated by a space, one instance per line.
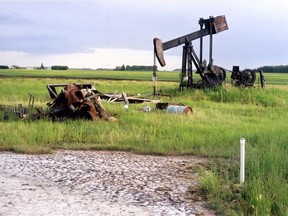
x=99 y=183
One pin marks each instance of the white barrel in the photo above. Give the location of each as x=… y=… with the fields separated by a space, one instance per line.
x=179 y=109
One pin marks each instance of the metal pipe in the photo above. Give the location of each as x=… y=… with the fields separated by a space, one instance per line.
x=184 y=65
x=154 y=76
x=201 y=40
x=190 y=76
x=242 y=160
x=210 y=48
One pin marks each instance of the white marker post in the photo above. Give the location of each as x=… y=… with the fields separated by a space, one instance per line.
x=242 y=160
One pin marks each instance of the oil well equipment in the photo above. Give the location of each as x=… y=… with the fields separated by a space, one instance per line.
x=211 y=75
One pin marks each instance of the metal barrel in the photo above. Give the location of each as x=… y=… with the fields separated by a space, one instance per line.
x=179 y=109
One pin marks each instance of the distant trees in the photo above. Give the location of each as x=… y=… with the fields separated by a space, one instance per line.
x=274 y=69
x=4 y=67
x=15 y=67
x=135 y=68
x=122 y=68
x=59 y=67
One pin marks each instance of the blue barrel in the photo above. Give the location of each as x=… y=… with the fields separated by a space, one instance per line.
x=179 y=109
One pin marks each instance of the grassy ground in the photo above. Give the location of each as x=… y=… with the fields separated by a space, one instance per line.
x=90 y=74
x=221 y=116
x=271 y=79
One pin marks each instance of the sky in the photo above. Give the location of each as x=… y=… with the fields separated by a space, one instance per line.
x=105 y=34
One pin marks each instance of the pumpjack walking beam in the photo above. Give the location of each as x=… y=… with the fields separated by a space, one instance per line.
x=211 y=74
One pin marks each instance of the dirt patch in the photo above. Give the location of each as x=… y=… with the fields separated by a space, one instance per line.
x=99 y=183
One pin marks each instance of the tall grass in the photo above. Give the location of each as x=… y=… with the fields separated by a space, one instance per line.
x=220 y=117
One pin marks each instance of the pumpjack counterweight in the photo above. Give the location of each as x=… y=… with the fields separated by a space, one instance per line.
x=211 y=75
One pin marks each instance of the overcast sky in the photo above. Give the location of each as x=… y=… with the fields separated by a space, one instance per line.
x=104 y=34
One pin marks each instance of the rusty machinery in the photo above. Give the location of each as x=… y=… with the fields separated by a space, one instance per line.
x=246 y=77
x=76 y=101
x=211 y=75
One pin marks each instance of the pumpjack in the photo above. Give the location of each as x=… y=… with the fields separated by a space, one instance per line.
x=210 y=74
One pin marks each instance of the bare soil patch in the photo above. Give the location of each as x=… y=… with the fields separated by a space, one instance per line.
x=100 y=183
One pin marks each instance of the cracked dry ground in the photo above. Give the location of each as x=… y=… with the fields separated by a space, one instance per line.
x=99 y=183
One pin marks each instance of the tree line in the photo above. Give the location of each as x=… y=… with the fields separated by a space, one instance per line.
x=4 y=67
x=54 y=67
x=274 y=69
x=59 y=67
x=135 y=68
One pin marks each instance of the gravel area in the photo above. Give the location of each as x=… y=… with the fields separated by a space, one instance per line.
x=99 y=183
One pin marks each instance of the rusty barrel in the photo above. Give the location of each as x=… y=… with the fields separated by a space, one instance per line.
x=186 y=110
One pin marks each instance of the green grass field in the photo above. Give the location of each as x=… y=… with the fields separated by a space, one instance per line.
x=271 y=79
x=90 y=74
x=220 y=117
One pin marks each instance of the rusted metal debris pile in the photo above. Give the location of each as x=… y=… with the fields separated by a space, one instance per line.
x=77 y=102
x=83 y=101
